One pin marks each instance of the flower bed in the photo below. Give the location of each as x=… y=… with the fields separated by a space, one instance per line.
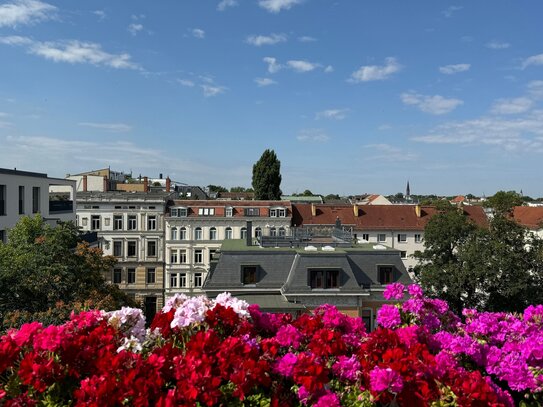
x=201 y=352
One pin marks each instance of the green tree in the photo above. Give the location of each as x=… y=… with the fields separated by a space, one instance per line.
x=267 y=177
x=44 y=268
x=332 y=197
x=503 y=202
x=238 y=189
x=216 y=188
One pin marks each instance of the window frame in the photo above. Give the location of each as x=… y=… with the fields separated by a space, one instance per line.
x=152 y=222
x=330 y=278
x=117 y=275
x=131 y=275
x=152 y=243
x=118 y=248
x=150 y=271
x=132 y=222
x=379 y=235
x=252 y=278
x=385 y=274
x=118 y=222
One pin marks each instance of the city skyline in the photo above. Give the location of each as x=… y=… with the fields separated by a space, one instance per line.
x=354 y=97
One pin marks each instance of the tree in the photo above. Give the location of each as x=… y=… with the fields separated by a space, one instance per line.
x=503 y=202
x=216 y=188
x=332 y=197
x=267 y=177
x=239 y=189
x=43 y=268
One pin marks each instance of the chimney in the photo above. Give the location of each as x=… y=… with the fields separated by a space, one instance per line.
x=105 y=183
x=84 y=183
x=249 y=237
x=313 y=210
x=168 y=184
x=145 y=184
x=418 y=211
x=355 y=210
x=338 y=223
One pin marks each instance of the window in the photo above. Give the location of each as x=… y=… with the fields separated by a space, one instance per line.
x=198 y=234
x=118 y=207
x=183 y=234
x=95 y=222
x=282 y=232
x=366 y=237
x=385 y=274
x=403 y=254
x=21 y=200
x=35 y=199
x=174 y=234
x=258 y=232
x=213 y=234
x=131 y=248
x=244 y=233
x=229 y=212
x=2 y=200
x=198 y=279
x=198 y=256
x=402 y=238
x=212 y=254
x=117 y=222
x=249 y=274
x=278 y=213
x=151 y=248
x=174 y=279
x=251 y=211
x=366 y=318
x=273 y=232
x=151 y=222
x=117 y=248
x=2 y=236
x=131 y=274
x=117 y=276
x=381 y=237
x=151 y=276
x=228 y=233
x=182 y=280
x=178 y=212
x=206 y=211
x=183 y=256
x=418 y=238
x=174 y=256
x=132 y=222
x=324 y=278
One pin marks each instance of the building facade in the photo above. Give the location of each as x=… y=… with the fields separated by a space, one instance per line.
x=130 y=227
x=195 y=230
x=24 y=193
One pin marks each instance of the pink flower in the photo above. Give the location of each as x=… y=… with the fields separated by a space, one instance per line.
x=389 y=316
x=385 y=380
x=328 y=400
x=347 y=368
x=394 y=291
x=415 y=291
x=285 y=365
x=288 y=335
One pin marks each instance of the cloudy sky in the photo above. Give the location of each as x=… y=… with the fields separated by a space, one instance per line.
x=354 y=96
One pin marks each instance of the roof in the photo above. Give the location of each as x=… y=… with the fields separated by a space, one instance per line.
x=375 y=217
x=302 y=198
x=458 y=199
x=122 y=196
x=269 y=302
x=220 y=207
x=236 y=195
x=529 y=216
x=22 y=173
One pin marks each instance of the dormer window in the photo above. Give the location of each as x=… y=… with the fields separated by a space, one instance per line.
x=229 y=212
x=178 y=212
x=324 y=278
x=251 y=211
x=249 y=274
x=278 y=213
x=206 y=211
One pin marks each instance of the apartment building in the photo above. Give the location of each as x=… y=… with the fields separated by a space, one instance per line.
x=24 y=193
x=400 y=227
x=130 y=227
x=196 y=229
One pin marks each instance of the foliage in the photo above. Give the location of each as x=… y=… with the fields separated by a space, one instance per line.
x=267 y=177
x=200 y=352
x=503 y=202
x=499 y=268
x=216 y=188
x=47 y=271
x=241 y=189
x=332 y=197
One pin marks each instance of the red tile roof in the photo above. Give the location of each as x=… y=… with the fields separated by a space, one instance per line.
x=458 y=199
x=529 y=216
x=220 y=206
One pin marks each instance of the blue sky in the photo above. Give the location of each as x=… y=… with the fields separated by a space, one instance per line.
x=354 y=96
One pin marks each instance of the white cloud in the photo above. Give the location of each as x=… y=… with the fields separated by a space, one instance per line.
x=135 y=28
x=306 y=38
x=198 y=33
x=435 y=104
x=376 y=72
x=452 y=69
x=264 y=82
x=386 y=152
x=451 y=10
x=313 y=135
x=335 y=114
x=259 y=40
x=524 y=133
x=275 y=6
x=212 y=90
x=73 y=52
x=100 y=14
x=329 y=69
x=224 y=4
x=533 y=60
x=186 y=82
x=497 y=45
x=110 y=127
x=535 y=89
x=512 y=106
x=302 y=66
x=273 y=65
x=25 y=12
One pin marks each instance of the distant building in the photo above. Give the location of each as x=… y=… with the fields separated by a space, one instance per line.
x=24 y=193
x=370 y=199
x=235 y=196
x=98 y=180
x=302 y=198
x=531 y=217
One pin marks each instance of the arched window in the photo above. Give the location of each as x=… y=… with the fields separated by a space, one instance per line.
x=198 y=234
x=282 y=232
x=244 y=233
x=228 y=233
x=258 y=232
x=174 y=233
x=183 y=234
x=213 y=234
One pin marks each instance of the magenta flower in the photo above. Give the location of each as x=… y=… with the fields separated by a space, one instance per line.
x=288 y=335
x=415 y=291
x=328 y=400
x=347 y=368
x=285 y=365
x=394 y=291
x=385 y=380
x=389 y=316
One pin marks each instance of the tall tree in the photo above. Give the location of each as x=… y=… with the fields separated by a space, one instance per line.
x=503 y=202
x=267 y=177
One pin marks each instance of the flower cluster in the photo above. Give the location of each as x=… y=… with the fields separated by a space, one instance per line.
x=202 y=352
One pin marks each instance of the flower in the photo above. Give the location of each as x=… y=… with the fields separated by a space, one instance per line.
x=394 y=291
x=385 y=380
x=388 y=316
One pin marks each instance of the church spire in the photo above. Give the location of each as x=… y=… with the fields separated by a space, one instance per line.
x=407 y=190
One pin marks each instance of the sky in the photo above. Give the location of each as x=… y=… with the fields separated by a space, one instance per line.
x=354 y=96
